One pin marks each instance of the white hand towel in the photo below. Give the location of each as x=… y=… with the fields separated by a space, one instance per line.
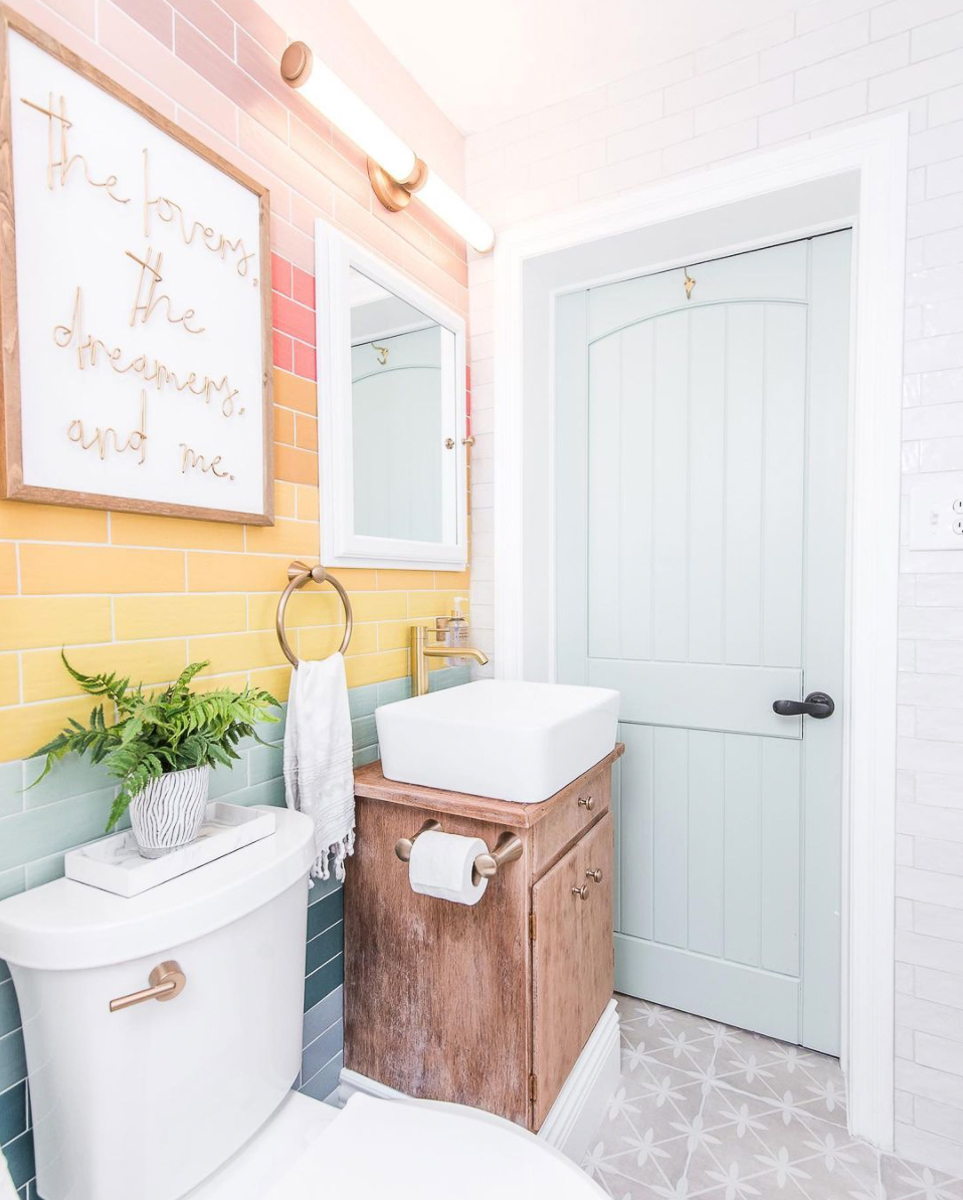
x=318 y=775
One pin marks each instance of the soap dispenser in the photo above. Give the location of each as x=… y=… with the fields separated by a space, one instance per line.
x=456 y=629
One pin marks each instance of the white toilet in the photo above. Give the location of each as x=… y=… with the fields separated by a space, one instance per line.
x=191 y=1096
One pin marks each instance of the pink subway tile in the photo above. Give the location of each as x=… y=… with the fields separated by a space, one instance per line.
x=155 y=16
x=228 y=77
x=252 y=17
x=211 y=20
x=283 y=352
x=280 y=275
x=274 y=152
x=305 y=361
x=325 y=159
x=78 y=12
x=289 y=241
x=293 y=318
x=303 y=287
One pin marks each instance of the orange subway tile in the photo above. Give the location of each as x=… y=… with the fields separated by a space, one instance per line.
x=99 y=569
x=9 y=679
x=300 y=539
x=285 y=499
x=8 y=568
x=51 y=523
x=284 y=425
x=291 y=391
x=308 y=502
x=298 y=466
x=140 y=529
x=307 y=432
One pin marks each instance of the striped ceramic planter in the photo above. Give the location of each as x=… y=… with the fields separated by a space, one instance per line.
x=169 y=812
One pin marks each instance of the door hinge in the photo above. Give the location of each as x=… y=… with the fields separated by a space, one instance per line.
x=532 y=926
x=533 y=1088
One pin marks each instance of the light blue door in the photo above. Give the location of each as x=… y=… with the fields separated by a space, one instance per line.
x=701 y=540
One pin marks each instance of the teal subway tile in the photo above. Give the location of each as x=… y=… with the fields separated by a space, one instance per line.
x=364 y=732
x=317 y=985
x=19 y=1156
x=450 y=677
x=323 y=1015
x=323 y=887
x=361 y=758
x=362 y=701
x=11 y=788
x=322 y=1050
x=265 y=762
x=228 y=779
x=4 y=971
x=394 y=689
x=45 y=870
x=270 y=732
x=34 y=834
x=323 y=1084
x=329 y=911
x=270 y=792
x=13 y=1062
x=13 y=1112
x=9 y=1009
x=70 y=777
x=12 y=882
x=324 y=947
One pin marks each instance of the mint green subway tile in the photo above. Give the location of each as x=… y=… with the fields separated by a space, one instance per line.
x=323 y=887
x=9 y=1009
x=449 y=677
x=13 y=1061
x=320 y=1086
x=325 y=914
x=45 y=870
x=72 y=776
x=4 y=971
x=324 y=1014
x=363 y=700
x=38 y=832
x=322 y=1050
x=368 y=755
x=323 y=948
x=20 y=1161
x=228 y=779
x=394 y=689
x=270 y=792
x=364 y=732
x=13 y=1112
x=11 y=788
x=319 y=983
x=264 y=763
x=12 y=882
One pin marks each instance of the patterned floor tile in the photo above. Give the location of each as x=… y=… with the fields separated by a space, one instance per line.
x=709 y=1111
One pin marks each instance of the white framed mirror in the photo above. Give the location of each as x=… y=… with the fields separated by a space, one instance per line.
x=391 y=399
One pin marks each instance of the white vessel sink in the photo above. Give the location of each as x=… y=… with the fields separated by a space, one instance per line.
x=498 y=738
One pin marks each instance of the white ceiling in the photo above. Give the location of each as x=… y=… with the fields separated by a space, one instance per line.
x=484 y=63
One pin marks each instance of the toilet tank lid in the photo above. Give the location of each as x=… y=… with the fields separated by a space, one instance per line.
x=67 y=925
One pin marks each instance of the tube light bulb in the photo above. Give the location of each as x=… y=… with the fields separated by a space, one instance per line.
x=444 y=202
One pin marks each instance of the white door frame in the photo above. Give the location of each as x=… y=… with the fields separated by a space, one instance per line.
x=877 y=152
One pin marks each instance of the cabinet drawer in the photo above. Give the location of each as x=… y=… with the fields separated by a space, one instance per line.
x=583 y=803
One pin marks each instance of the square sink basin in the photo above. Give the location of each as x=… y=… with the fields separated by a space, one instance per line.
x=499 y=738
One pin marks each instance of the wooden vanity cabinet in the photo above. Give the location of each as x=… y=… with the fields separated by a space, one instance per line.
x=488 y=1005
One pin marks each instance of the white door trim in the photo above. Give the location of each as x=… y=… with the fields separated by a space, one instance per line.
x=877 y=152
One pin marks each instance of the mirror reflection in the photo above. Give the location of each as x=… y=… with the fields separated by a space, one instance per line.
x=399 y=361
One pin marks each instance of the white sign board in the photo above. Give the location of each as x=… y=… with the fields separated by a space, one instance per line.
x=140 y=297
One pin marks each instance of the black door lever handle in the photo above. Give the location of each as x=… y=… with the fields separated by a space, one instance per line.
x=816 y=704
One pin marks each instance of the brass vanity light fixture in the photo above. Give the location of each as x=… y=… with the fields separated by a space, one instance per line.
x=395 y=171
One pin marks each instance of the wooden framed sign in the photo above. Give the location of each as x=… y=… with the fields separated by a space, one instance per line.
x=135 y=300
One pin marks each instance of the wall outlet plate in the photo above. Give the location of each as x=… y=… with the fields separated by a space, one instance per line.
x=936 y=511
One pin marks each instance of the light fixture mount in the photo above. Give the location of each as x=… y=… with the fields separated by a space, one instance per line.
x=395 y=196
x=296 y=63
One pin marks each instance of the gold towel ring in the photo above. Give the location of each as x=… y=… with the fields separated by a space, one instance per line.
x=299 y=574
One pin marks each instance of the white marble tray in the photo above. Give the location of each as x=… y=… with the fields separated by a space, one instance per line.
x=115 y=865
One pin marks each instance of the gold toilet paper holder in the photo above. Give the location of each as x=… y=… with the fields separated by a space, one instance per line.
x=486 y=866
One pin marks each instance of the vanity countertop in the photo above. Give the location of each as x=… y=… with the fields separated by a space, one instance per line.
x=370 y=784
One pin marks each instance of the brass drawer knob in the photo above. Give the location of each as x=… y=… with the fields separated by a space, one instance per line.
x=586 y=802
x=166 y=981
x=581 y=892
x=596 y=874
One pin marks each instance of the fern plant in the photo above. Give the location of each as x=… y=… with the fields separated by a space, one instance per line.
x=158 y=732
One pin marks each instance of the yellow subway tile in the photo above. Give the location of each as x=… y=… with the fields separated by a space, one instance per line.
x=46 y=678
x=285 y=498
x=300 y=539
x=9 y=679
x=27 y=622
x=379 y=606
x=8 y=568
x=51 y=522
x=284 y=425
x=292 y=391
x=309 y=605
x=319 y=643
x=451 y=580
x=237 y=651
x=178 y=616
x=214 y=683
x=276 y=680
x=140 y=529
x=375 y=668
x=395 y=581
x=96 y=569
x=236 y=572
x=394 y=635
x=25 y=728
x=355 y=579
x=308 y=502
x=430 y=604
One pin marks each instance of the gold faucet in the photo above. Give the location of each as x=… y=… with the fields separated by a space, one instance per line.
x=421 y=652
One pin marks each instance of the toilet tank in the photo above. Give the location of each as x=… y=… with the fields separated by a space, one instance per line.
x=145 y=1102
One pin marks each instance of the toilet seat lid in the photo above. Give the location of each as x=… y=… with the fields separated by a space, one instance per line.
x=419 y=1150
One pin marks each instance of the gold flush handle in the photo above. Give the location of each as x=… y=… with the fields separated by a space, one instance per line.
x=596 y=874
x=449 y=443
x=581 y=892
x=586 y=802
x=166 y=981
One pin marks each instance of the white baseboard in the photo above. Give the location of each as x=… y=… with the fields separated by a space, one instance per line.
x=579 y=1106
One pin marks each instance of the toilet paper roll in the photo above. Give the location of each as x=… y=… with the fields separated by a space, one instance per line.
x=441 y=864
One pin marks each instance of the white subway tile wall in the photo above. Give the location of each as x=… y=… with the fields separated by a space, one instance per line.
x=831 y=62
